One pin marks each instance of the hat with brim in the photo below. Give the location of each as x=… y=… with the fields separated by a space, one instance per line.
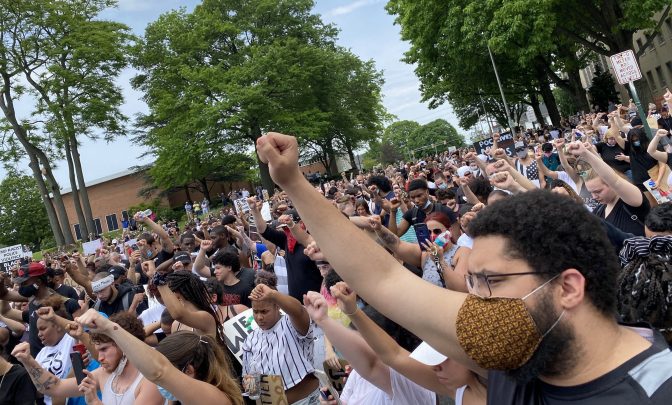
x=33 y=269
x=183 y=257
x=427 y=355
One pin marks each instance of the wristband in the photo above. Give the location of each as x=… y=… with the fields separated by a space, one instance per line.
x=352 y=314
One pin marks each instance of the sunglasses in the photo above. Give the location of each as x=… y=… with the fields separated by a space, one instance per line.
x=437 y=231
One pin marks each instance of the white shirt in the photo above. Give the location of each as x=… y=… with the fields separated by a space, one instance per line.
x=404 y=392
x=280 y=350
x=465 y=241
x=56 y=359
x=568 y=179
x=151 y=315
x=280 y=270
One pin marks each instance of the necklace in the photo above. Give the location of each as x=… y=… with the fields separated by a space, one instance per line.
x=5 y=375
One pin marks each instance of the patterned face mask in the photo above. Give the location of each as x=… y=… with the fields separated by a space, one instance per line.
x=499 y=333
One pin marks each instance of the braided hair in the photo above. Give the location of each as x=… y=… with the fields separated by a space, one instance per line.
x=645 y=292
x=195 y=291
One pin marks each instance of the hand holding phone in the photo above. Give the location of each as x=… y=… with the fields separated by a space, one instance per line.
x=78 y=366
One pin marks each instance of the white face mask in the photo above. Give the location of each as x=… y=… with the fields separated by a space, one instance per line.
x=473 y=168
x=522 y=154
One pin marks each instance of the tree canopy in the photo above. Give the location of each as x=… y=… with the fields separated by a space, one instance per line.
x=22 y=214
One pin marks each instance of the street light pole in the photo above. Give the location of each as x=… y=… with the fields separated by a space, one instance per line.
x=485 y=112
x=501 y=90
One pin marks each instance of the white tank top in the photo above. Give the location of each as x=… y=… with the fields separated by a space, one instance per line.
x=127 y=398
x=459 y=394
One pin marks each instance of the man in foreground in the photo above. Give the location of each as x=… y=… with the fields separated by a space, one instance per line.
x=548 y=336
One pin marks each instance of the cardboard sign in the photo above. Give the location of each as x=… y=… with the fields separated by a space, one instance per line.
x=272 y=391
x=90 y=247
x=241 y=205
x=505 y=142
x=336 y=376
x=264 y=193
x=11 y=255
x=625 y=67
x=236 y=331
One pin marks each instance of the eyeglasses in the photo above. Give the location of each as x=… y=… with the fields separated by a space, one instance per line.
x=437 y=231
x=479 y=283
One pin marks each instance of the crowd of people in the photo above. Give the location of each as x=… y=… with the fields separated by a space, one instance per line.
x=540 y=277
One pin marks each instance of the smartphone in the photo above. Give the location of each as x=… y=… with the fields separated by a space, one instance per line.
x=78 y=366
x=135 y=247
x=422 y=233
x=324 y=382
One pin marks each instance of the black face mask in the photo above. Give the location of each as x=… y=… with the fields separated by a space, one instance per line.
x=28 y=290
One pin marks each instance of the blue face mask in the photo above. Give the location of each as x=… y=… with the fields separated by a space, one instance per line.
x=636 y=143
x=443 y=186
x=166 y=394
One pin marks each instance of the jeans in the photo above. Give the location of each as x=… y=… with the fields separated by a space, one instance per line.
x=312 y=399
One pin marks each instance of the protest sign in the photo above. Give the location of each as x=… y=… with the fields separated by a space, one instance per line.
x=236 y=330
x=272 y=391
x=11 y=255
x=336 y=375
x=625 y=67
x=90 y=247
x=505 y=142
x=241 y=206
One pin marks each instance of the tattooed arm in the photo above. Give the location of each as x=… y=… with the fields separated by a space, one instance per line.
x=408 y=252
x=44 y=381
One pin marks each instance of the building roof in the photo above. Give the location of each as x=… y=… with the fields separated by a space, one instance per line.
x=101 y=180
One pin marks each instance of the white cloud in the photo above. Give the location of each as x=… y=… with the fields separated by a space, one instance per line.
x=349 y=8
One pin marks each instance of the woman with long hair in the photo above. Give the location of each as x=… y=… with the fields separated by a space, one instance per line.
x=186 y=367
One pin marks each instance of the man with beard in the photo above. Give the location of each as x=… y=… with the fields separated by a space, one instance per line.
x=540 y=316
x=117 y=378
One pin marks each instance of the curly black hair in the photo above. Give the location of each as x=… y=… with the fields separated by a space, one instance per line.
x=481 y=188
x=645 y=292
x=553 y=233
x=383 y=183
x=659 y=218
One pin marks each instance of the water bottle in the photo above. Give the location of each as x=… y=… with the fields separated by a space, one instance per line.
x=442 y=239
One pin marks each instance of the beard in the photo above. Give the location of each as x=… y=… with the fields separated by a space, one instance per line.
x=557 y=353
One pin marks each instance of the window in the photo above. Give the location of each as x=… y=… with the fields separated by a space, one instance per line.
x=652 y=43
x=99 y=227
x=668 y=65
x=661 y=77
x=668 y=24
x=640 y=45
x=112 y=224
x=661 y=38
x=78 y=232
x=649 y=78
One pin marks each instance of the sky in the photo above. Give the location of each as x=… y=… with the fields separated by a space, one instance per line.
x=365 y=28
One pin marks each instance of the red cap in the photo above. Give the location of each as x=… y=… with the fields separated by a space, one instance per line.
x=34 y=269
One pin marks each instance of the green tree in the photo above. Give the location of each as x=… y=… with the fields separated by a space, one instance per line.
x=231 y=70
x=399 y=134
x=438 y=132
x=603 y=90
x=22 y=214
x=67 y=61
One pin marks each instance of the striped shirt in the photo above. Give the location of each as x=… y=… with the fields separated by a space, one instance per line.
x=280 y=350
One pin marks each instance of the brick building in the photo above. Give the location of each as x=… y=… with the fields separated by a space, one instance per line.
x=111 y=196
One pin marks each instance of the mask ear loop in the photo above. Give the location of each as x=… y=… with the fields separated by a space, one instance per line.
x=554 y=324
x=540 y=287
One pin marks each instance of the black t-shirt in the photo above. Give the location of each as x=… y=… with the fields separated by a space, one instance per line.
x=17 y=388
x=640 y=163
x=665 y=123
x=125 y=293
x=625 y=217
x=67 y=292
x=644 y=379
x=239 y=293
x=30 y=317
x=608 y=154
x=302 y=273
x=160 y=258
x=420 y=214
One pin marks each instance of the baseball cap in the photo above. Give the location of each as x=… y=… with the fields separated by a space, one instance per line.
x=519 y=144
x=183 y=257
x=462 y=171
x=114 y=241
x=636 y=121
x=33 y=269
x=426 y=354
x=117 y=271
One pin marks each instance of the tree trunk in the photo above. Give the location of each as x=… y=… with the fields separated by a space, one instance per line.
x=547 y=95
x=264 y=173
x=206 y=192
x=51 y=212
x=534 y=102
x=83 y=226
x=186 y=191
x=351 y=155
x=7 y=106
x=82 y=191
x=576 y=90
